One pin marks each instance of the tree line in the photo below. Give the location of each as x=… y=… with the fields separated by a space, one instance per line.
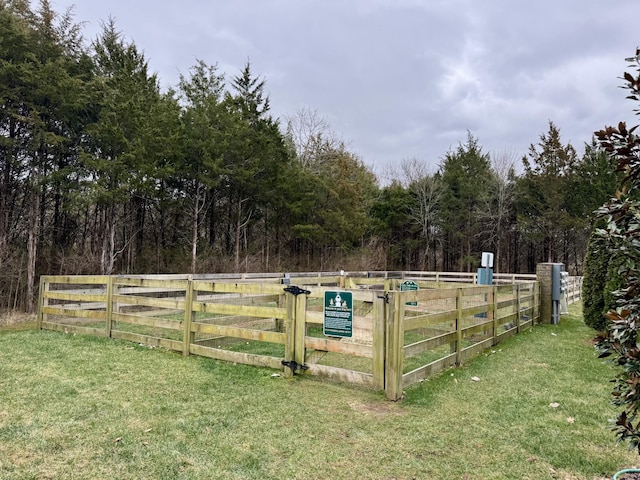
x=102 y=171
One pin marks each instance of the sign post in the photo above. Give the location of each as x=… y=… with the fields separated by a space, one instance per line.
x=338 y=314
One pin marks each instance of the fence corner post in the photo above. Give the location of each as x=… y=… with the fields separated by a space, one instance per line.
x=493 y=312
x=188 y=335
x=459 y=327
x=379 y=322
x=109 y=308
x=42 y=302
x=300 y=328
x=289 y=330
x=395 y=344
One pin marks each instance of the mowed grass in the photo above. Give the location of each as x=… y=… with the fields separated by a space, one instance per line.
x=75 y=407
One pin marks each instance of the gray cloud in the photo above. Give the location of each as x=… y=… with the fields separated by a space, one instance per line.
x=404 y=78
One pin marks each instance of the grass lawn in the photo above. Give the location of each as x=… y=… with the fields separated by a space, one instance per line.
x=75 y=407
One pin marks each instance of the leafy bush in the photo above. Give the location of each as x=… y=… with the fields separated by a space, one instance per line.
x=601 y=280
x=621 y=215
x=595 y=278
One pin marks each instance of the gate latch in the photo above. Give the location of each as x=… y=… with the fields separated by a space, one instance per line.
x=296 y=290
x=293 y=365
x=385 y=297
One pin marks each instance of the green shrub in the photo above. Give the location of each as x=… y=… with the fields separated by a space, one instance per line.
x=594 y=281
x=621 y=340
x=601 y=280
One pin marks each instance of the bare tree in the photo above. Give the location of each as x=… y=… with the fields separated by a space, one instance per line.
x=426 y=189
x=497 y=207
x=311 y=135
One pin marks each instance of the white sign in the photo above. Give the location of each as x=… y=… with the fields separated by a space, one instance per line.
x=487 y=260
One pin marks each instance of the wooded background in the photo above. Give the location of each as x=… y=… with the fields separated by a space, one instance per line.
x=102 y=171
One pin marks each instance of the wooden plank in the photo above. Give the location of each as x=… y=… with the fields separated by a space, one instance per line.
x=425 y=371
x=417 y=348
x=512 y=317
x=506 y=303
x=147 y=321
x=469 y=311
x=237 y=357
x=65 y=312
x=77 y=279
x=76 y=297
x=338 y=346
x=341 y=374
x=481 y=327
x=506 y=334
x=250 y=288
x=473 y=350
x=237 y=332
x=477 y=290
x=435 y=294
x=149 y=282
x=150 y=302
x=357 y=295
x=92 y=323
x=141 y=291
x=59 y=327
x=314 y=317
x=424 y=321
x=175 y=345
x=250 y=311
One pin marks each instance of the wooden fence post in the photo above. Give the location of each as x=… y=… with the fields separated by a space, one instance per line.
x=459 y=327
x=188 y=335
x=109 y=308
x=289 y=330
x=42 y=302
x=300 y=328
x=379 y=321
x=492 y=314
x=517 y=308
x=395 y=346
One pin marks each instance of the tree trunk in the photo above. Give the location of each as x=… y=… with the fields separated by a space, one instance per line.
x=107 y=254
x=194 y=229
x=32 y=243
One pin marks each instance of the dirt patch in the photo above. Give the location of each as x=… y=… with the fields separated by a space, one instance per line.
x=378 y=409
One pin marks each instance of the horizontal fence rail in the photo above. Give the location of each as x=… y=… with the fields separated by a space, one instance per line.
x=276 y=321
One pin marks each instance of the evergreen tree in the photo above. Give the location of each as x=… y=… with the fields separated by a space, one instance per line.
x=466 y=179
x=119 y=166
x=543 y=213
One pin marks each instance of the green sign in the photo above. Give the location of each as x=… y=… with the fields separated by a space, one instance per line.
x=338 y=314
x=409 y=286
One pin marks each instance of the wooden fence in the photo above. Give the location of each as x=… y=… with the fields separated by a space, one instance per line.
x=399 y=337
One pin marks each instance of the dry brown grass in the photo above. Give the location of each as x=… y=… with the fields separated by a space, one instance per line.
x=16 y=319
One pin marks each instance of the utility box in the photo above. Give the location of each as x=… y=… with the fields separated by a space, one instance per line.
x=485 y=276
x=557 y=291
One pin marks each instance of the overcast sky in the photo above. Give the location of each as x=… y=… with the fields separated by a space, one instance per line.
x=402 y=79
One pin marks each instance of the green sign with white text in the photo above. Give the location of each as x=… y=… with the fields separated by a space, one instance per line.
x=409 y=286
x=338 y=314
